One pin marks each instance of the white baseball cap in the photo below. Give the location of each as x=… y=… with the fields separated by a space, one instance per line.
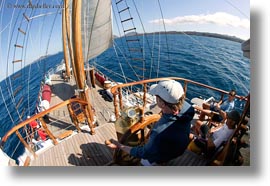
x=170 y=91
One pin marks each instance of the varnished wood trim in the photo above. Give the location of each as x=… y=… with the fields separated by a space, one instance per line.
x=25 y=144
x=79 y=60
x=19 y=103
x=26 y=17
x=51 y=136
x=146 y=121
x=20 y=30
x=27 y=161
x=77 y=43
x=17 y=90
x=16 y=76
x=69 y=42
x=18 y=46
x=64 y=32
x=17 y=61
x=39 y=115
x=114 y=88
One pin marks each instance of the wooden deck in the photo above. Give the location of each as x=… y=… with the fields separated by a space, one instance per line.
x=81 y=149
x=60 y=120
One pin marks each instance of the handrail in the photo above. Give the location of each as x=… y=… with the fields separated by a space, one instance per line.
x=39 y=115
x=116 y=90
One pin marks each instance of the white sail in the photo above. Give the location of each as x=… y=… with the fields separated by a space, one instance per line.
x=96 y=27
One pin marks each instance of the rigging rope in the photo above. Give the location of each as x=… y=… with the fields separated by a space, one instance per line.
x=115 y=73
x=50 y=35
x=241 y=12
x=123 y=46
x=8 y=81
x=135 y=73
x=24 y=49
x=90 y=32
x=159 y=49
x=121 y=68
x=165 y=32
x=29 y=37
x=147 y=41
x=4 y=101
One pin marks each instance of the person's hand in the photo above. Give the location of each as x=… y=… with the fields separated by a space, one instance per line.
x=211 y=131
x=113 y=144
x=217 y=106
x=196 y=107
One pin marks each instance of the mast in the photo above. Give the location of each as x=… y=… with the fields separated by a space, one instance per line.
x=64 y=31
x=79 y=61
x=69 y=36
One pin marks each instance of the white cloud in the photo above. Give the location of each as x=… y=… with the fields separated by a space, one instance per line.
x=218 y=18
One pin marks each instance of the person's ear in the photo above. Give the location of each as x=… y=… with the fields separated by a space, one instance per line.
x=162 y=103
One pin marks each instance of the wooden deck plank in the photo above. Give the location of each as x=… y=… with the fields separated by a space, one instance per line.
x=101 y=148
x=93 y=147
x=188 y=158
x=60 y=153
x=77 y=150
x=108 y=133
x=57 y=156
x=65 y=157
x=107 y=151
x=63 y=160
x=93 y=152
x=69 y=152
x=86 y=153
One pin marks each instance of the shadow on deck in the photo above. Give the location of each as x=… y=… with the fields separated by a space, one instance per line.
x=93 y=154
x=60 y=124
x=63 y=90
x=189 y=158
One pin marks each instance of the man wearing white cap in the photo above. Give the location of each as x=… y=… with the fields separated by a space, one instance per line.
x=170 y=135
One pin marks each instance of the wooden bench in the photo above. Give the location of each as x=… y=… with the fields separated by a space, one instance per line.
x=64 y=134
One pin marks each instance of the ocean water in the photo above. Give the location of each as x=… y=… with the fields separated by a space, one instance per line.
x=29 y=83
x=212 y=61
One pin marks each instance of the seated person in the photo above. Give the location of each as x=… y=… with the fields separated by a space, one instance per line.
x=169 y=135
x=213 y=138
x=39 y=143
x=43 y=135
x=34 y=126
x=216 y=111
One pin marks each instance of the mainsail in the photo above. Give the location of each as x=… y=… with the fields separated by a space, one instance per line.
x=96 y=27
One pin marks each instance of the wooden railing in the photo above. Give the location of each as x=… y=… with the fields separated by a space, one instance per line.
x=117 y=90
x=39 y=117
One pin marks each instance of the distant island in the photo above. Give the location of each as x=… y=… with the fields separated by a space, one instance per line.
x=206 y=34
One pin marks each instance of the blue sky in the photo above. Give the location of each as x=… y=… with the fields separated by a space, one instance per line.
x=229 y=17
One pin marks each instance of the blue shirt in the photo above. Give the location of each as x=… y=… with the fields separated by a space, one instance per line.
x=169 y=137
x=227 y=106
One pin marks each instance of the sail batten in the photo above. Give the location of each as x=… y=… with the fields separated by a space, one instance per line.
x=96 y=27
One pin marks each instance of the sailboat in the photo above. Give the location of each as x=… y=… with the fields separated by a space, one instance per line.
x=79 y=106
